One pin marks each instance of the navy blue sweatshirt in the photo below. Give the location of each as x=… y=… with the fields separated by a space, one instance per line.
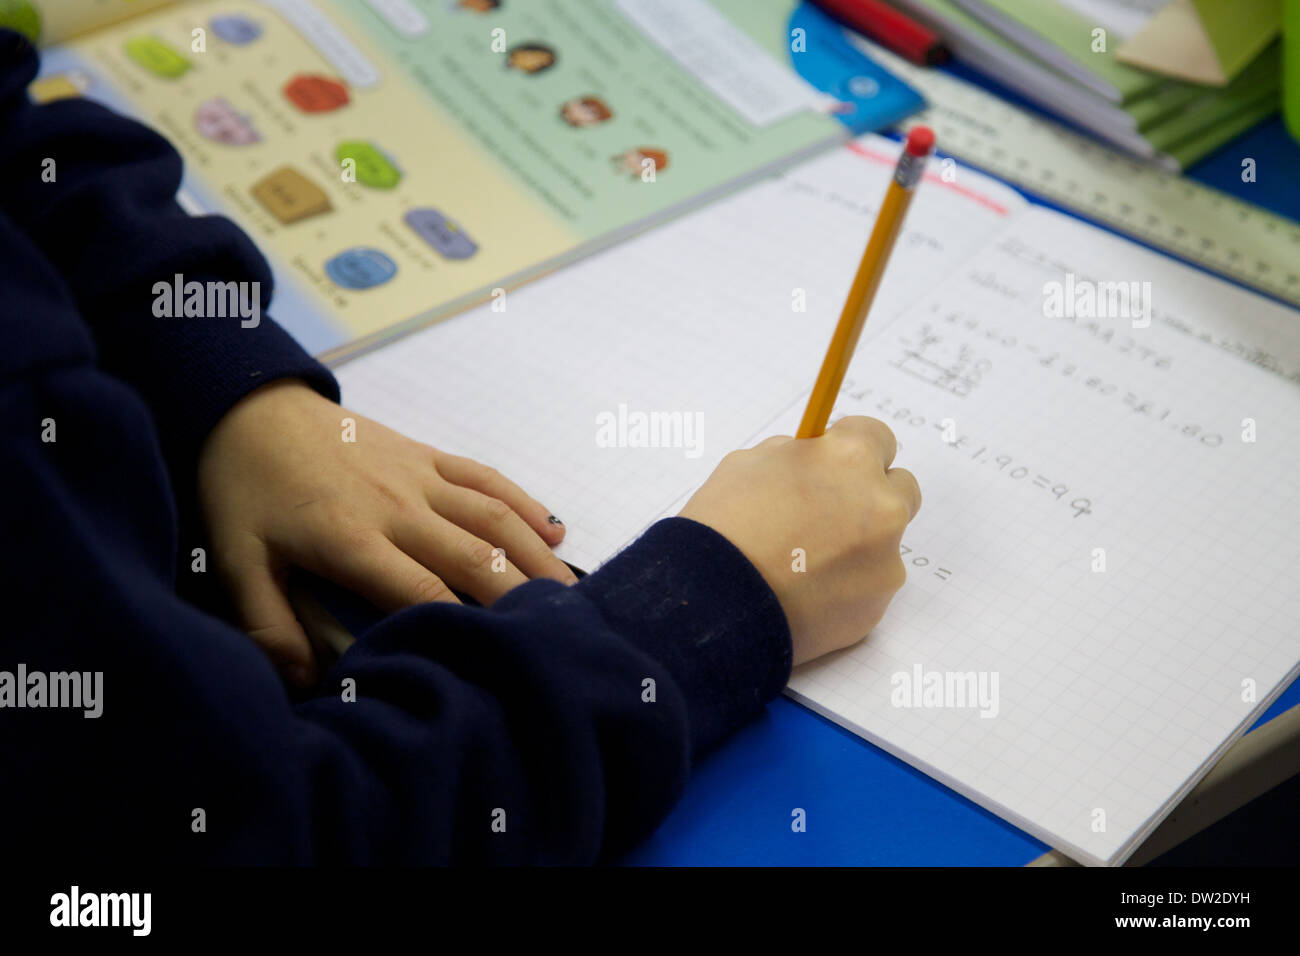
x=519 y=733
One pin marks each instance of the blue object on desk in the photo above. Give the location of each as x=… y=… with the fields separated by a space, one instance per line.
x=863 y=806
x=869 y=97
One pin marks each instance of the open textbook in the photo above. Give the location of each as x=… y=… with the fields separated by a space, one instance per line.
x=398 y=160
x=1101 y=593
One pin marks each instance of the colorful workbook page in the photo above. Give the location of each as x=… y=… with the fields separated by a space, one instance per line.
x=56 y=21
x=1099 y=595
x=398 y=159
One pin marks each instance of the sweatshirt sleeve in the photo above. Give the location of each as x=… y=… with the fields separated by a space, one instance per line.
x=96 y=193
x=557 y=726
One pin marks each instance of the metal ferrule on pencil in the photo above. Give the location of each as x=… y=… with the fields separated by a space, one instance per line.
x=908 y=172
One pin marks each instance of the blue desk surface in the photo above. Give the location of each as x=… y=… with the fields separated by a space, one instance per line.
x=865 y=807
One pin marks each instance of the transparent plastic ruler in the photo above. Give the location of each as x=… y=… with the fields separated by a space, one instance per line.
x=1202 y=225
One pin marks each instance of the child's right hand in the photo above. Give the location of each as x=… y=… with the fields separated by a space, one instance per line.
x=836 y=498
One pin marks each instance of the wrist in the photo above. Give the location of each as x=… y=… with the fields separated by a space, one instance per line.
x=686 y=596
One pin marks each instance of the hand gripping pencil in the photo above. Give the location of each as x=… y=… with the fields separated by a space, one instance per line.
x=920 y=142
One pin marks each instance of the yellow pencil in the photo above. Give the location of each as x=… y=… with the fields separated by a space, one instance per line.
x=920 y=142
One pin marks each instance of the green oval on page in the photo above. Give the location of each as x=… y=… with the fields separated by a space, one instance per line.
x=156 y=57
x=21 y=16
x=373 y=168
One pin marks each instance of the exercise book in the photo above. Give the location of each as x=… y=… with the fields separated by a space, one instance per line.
x=1100 y=594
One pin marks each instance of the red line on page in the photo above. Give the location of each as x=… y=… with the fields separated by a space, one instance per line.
x=978 y=197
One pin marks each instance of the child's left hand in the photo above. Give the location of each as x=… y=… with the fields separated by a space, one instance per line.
x=393 y=520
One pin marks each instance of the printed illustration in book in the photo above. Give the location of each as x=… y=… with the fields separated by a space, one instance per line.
x=398 y=160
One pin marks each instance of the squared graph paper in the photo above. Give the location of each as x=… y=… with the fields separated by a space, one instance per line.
x=1101 y=578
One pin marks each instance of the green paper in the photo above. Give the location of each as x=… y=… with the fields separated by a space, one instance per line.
x=1163 y=103
x=1239 y=30
x=1071 y=33
x=1213 y=106
x=1208 y=141
x=1207 y=117
x=1291 y=66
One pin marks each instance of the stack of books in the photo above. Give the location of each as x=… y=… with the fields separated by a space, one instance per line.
x=1061 y=56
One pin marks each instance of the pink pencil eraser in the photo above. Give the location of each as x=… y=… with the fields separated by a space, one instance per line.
x=920 y=141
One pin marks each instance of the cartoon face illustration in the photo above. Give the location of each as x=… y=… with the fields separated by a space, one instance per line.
x=479 y=6
x=633 y=161
x=585 y=111
x=530 y=58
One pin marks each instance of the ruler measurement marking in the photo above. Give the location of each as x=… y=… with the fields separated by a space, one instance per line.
x=1138 y=199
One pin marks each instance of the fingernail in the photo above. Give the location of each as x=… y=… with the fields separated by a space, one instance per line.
x=554 y=520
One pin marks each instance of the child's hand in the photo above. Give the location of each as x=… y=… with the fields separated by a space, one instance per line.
x=836 y=498
x=392 y=520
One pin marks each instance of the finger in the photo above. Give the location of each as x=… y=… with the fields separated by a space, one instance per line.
x=875 y=433
x=774 y=440
x=379 y=571
x=904 y=482
x=262 y=603
x=466 y=562
x=470 y=474
x=494 y=521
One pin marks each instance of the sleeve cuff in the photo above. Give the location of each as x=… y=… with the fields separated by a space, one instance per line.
x=200 y=373
x=686 y=596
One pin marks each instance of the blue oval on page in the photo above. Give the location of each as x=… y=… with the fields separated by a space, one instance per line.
x=446 y=237
x=236 y=29
x=360 y=268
